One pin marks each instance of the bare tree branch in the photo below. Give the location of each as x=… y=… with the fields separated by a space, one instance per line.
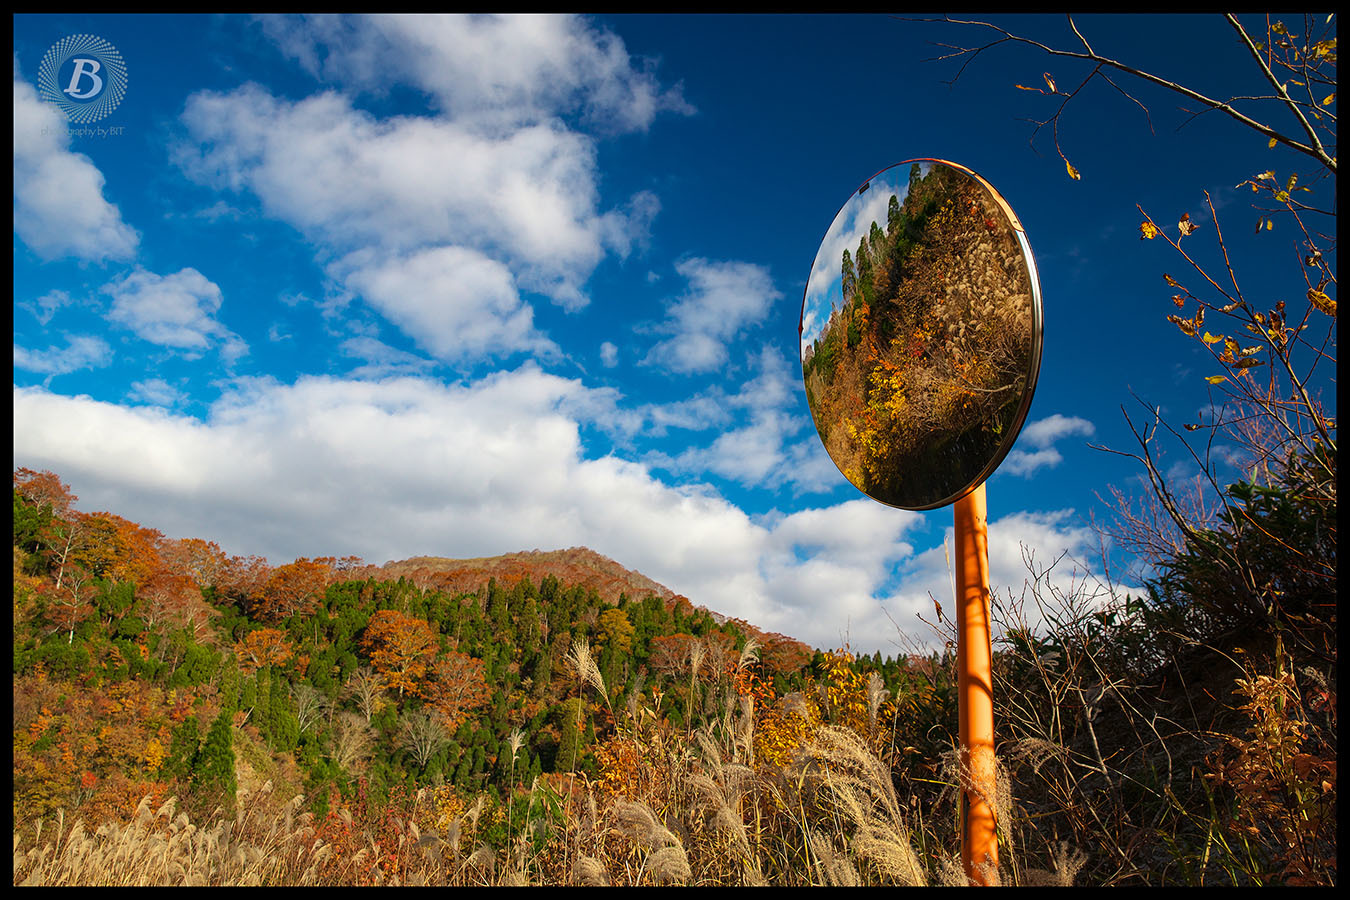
x=1314 y=149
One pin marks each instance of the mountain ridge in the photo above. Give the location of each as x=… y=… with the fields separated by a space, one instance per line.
x=574 y=565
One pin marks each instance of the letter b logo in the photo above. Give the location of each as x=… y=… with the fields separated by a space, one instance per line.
x=91 y=87
x=85 y=67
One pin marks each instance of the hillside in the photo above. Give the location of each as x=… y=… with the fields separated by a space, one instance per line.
x=575 y=566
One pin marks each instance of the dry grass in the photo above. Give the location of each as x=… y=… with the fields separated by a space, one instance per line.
x=163 y=847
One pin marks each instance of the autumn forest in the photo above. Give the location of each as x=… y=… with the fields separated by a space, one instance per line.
x=149 y=667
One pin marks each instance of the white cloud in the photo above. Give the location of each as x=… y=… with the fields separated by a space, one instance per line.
x=156 y=392
x=1044 y=432
x=454 y=302
x=1025 y=462
x=380 y=359
x=1042 y=435
x=441 y=222
x=349 y=180
x=609 y=355
x=497 y=72
x=59 y=206
x=80 y=352
x=723 y=299
x=46 y=306
x=765 y=441
x=176 y=311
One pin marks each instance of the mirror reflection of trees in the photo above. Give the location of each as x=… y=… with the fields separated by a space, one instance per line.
x=918 y=375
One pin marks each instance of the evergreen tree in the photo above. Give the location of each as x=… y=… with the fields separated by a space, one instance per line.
x=893 y=216
x=262 y=699
x=213 y=765
x=498 y=609
x=850 y=277
x=863 y=260
x=183 y=748
x=248 y=693
x=570 y=742
x=283 y=727
x=230 y=686
x=527 y=630
x=879 y=246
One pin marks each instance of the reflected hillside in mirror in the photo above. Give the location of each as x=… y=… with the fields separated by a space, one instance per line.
x=920 y=335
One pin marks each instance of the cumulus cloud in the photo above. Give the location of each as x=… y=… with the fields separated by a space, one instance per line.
x=442 y=222
x=156 y=392
x=724 y=298
x=1040 y=436
x=59 y=206
x=81 y=352
x=349 y=180
x=177 y=311
x=380 y=359
x=765 y=440
x=455 y=303
x=1044 y=432
x=497 y=72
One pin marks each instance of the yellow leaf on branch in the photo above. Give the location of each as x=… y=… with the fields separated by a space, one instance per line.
x=1322 y=302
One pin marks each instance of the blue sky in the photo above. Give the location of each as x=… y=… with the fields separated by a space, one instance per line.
x=394 y=287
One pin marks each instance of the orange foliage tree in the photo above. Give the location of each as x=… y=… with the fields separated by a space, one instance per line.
x=262 y=647
x=242 y=578
x=290 y=590
x=44 y=490
x=122 y=550
x=458 y=684
x=781 y=655
x=401 y=648
x=202 y=561
x=670 y=653
x=176 y=601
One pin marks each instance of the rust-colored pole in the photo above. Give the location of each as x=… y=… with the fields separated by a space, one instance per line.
x=974 y=661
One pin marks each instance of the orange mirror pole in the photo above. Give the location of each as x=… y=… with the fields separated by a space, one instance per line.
x=974 y=661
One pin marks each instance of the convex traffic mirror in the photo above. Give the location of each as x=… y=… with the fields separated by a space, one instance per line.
x=921 y=334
